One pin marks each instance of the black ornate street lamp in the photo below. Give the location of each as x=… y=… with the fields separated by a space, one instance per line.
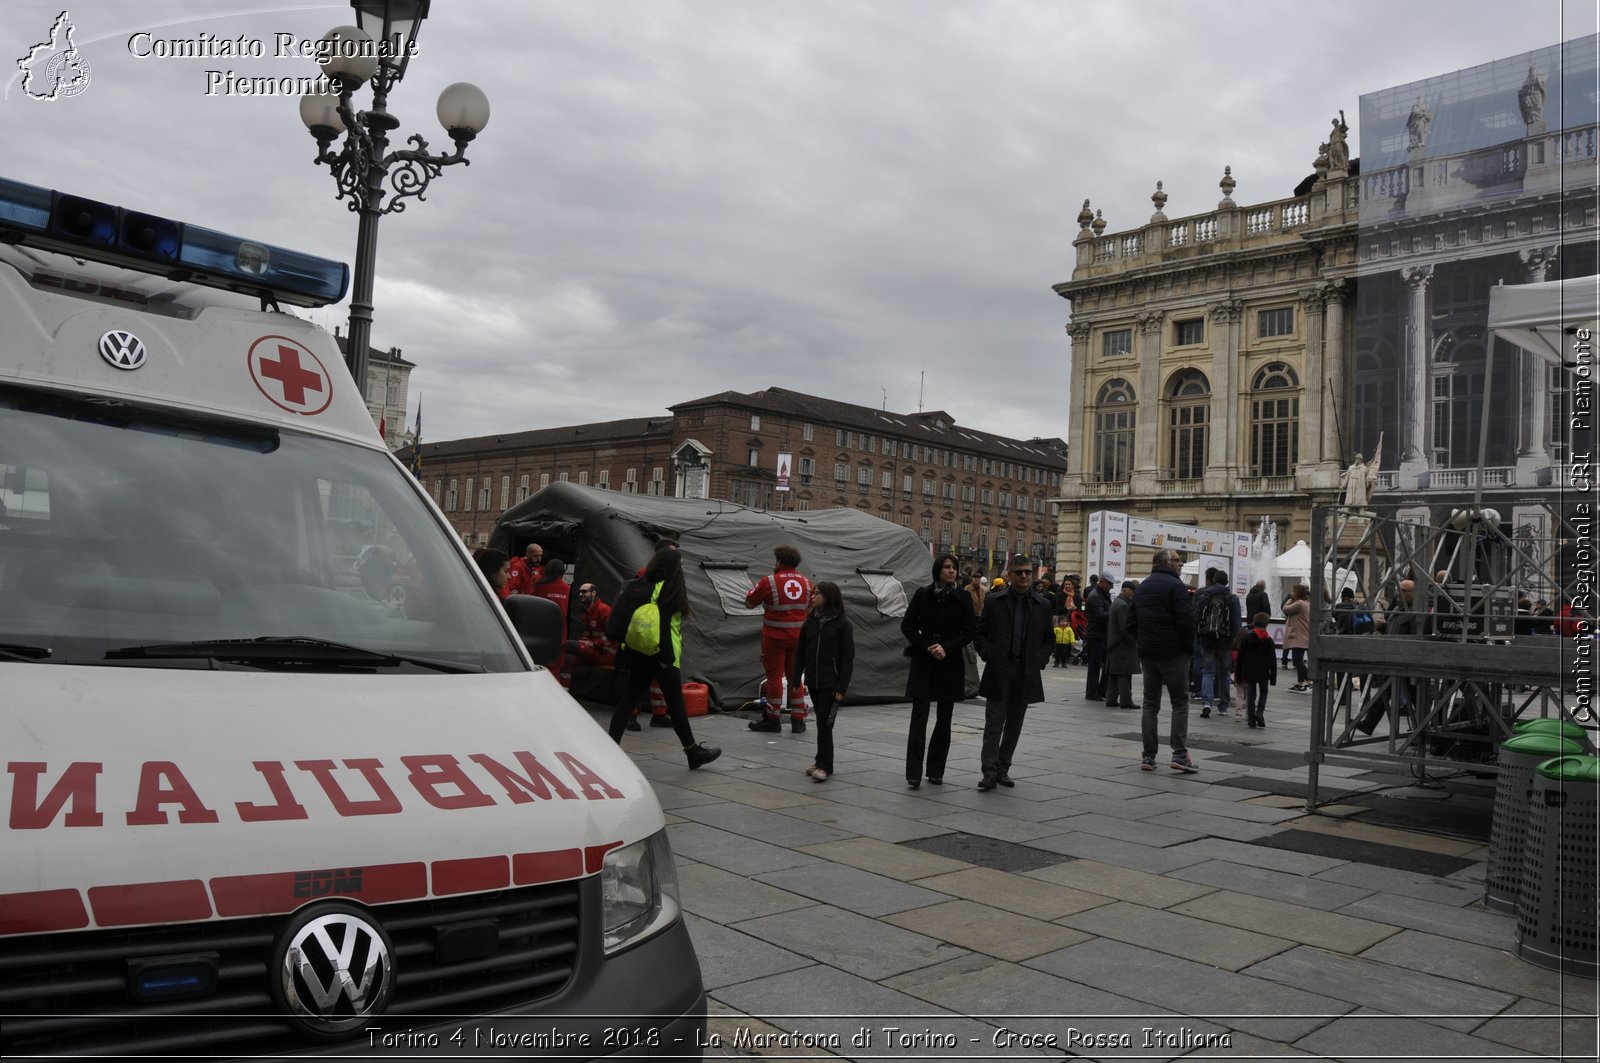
x=377 y=49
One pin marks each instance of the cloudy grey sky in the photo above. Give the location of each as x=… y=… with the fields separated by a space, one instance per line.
x=677 y=197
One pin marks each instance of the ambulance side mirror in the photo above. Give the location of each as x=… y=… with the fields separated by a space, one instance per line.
x=539 y=622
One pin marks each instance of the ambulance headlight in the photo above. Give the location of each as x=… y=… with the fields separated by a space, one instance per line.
x=639 y=892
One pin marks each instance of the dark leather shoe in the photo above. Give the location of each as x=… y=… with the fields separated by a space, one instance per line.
x=988 y=782
x=937 y=780
x=700 y=755
x=661 y=720
x=633 y=723
x=914 y=784
x=1004 y=780
x=766 y=723
x=797 y=726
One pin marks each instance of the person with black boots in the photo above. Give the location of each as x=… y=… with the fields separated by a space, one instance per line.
x=939 y=625
x=825 y=658
x=662 y=588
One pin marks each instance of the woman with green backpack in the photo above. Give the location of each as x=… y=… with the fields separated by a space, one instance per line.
x=647 y=620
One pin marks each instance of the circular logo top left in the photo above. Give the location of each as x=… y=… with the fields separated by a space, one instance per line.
x=290 y=375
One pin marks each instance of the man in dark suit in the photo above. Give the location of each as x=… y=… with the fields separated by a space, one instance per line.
x=1015 y=640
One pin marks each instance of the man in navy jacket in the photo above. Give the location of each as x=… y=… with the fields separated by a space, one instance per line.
x=1165 y=619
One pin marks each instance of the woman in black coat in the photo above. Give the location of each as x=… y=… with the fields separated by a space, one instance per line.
x=938 y=625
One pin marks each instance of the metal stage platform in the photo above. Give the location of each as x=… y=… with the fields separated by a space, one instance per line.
x=1445 y=678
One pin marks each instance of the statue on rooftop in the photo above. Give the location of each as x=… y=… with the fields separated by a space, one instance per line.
x=1417 y=123
x=1338 y=148
x=1530 y=98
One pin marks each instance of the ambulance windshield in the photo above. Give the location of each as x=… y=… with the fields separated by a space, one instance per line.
x=125 y=527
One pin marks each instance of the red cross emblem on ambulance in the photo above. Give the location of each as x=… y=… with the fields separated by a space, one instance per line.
x=290 y=376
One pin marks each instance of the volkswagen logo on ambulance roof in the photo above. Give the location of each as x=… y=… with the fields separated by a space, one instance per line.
x=335 y=970
x=122 y=349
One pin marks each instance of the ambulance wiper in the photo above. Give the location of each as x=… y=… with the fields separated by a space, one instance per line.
x=292 y=649
x=18 y=651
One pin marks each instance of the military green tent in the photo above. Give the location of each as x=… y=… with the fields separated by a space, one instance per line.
x=607 y=536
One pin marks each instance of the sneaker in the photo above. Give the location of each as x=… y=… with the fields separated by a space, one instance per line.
x=818 y=774
x=1301 y=690
x=1205 y=713
x=797 y=726
x=632 y=724
x=766 y=723
x=1147 y=763
x=701 y=754
x=661 y=720
x=1182 y=762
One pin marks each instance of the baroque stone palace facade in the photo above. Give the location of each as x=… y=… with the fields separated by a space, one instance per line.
x=1231 y=365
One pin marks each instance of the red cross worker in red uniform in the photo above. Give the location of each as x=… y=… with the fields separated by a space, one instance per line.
x=785 y=600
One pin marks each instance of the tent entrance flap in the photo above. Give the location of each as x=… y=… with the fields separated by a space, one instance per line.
x=732 y=583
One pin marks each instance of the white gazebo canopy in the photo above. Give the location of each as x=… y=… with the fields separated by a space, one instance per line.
x=1543 y=318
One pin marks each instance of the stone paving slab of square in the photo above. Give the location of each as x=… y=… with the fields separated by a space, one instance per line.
x=1116 y=851
x=1293 y=922
x=1079 y=1018
x=1545 y=1030
x=1479 y=965
x=1477 y=924
x=673 y=796
x=1147 y=832
x=864 y=821
x=1295 y=863
x=992 y=825
x=759 y=794
x=1402 y=857
x=762 y=825
x=1356 y=828
x=1078 y=804
x=1271 y=1011
x=853 y=943
x=1210 y=826
x=1400 y=1040
x=728 y=957
x=723 y=897
x=1023 y=894
x=1381 y=987
x=1217 y=801
x=1218 y=944
x=885 y=858
x=852 y=889
x=732 y=852
x=991 y=931
x=981 y=851
x=1448 y=891
x=1261 y=882
x=1121 y=883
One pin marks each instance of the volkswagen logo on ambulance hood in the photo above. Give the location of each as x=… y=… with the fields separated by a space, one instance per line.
x=122 y=349
x=335 y=970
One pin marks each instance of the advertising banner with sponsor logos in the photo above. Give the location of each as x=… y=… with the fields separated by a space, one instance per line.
x=1112 y=535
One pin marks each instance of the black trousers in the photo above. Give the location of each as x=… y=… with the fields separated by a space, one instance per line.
x=670 y=680
x=824 y=708
x=938 y=746
x=1003 y=716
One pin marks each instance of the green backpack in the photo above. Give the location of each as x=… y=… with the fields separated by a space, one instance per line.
x=644 y=628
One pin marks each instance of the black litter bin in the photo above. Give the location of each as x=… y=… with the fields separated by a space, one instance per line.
x=1513 y=787
x=1556 y=905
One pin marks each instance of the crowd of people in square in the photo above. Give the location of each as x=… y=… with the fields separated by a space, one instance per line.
x=1185 y=642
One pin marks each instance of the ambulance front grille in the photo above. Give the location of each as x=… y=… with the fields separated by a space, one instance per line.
x=68 y=993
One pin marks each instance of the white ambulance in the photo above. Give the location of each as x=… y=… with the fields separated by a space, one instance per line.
x=280 y=775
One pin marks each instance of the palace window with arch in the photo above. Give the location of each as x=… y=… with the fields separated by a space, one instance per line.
x=1188 y=412
x=1274 y=420
x=1115 y=414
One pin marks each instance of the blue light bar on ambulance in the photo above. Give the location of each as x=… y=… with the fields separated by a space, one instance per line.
x=86 y=228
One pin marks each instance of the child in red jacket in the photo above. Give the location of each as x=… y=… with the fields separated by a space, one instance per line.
x=1256 y=667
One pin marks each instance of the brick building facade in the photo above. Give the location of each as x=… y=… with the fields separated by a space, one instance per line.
x=977 y=494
